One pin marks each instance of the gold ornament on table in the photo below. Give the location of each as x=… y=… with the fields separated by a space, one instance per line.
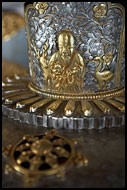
x=41 y=155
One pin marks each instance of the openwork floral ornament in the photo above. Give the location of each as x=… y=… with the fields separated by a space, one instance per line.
x=99 y=11
x=35 y=156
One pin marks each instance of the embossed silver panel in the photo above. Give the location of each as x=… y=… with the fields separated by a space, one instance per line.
x=93 y=37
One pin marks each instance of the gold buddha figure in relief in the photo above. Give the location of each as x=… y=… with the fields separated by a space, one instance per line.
x=65 y=70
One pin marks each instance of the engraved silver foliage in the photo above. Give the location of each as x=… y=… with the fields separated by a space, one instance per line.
x=123 y=69
x=92 y=37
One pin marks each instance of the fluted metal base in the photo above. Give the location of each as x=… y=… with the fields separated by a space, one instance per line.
x=20 y=103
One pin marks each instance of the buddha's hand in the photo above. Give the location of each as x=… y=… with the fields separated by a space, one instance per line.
x=73 y=71
x=57 y=68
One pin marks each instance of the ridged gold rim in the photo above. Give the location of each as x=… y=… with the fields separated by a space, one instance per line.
x=79 y=96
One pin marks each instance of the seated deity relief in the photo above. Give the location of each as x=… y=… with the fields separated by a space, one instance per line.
x=65 y=70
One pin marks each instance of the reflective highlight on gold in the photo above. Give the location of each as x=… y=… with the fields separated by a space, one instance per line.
x=13 y=99
x=13 y=93
x=52 y=107
x=86 y=108
x=69 y=108
x=41 y=147
x=8 y=169
x=27 y=102
x=81 y=160
x=102 y=106
x=116 y=104
x=121 y=99
x=39 y=104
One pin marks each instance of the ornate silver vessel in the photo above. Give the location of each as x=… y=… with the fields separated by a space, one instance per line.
x=77 y=64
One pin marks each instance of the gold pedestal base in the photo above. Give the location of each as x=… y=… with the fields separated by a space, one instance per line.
x=24 y=105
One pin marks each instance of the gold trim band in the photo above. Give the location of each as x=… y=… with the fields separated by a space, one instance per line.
x=79 y=96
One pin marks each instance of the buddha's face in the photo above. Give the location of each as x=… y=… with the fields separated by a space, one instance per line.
x=65 y=44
